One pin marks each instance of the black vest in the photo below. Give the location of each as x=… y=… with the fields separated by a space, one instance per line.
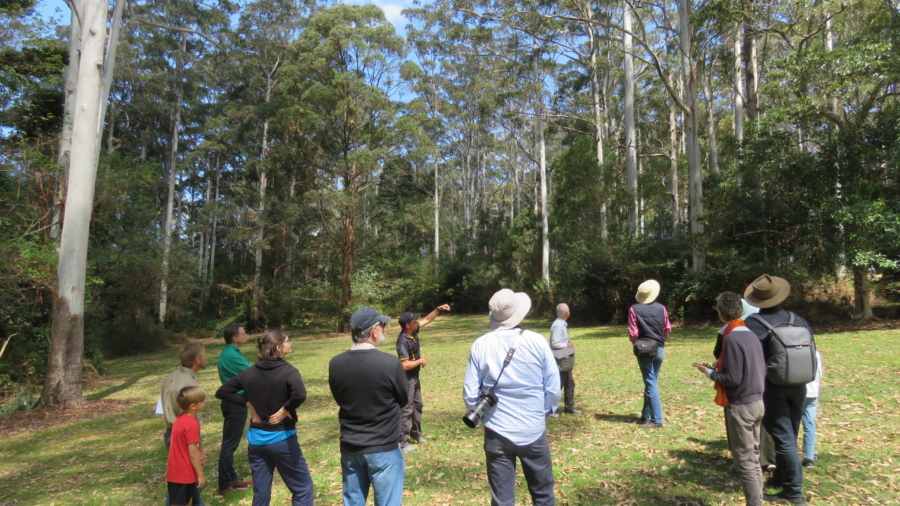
x=651 y=321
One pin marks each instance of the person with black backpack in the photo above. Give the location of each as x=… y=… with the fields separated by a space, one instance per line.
x=790 y=354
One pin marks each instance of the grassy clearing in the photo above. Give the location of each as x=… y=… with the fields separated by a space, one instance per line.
x=600 y=457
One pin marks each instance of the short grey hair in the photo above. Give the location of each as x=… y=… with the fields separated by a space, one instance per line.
x=562 y=309
x=363 y=335
x=729 y=304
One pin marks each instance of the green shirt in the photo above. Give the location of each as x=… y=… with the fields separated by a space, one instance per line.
x=231 y=363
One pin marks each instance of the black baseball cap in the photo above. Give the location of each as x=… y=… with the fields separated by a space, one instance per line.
x=365 y=317
x=408 y=317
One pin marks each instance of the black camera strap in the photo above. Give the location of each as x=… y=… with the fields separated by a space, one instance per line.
x=509 y=356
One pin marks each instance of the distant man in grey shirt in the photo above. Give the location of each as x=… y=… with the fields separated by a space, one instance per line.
x=559 y=341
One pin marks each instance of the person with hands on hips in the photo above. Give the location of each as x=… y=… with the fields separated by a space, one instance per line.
x=275 y=389
x=409 y=351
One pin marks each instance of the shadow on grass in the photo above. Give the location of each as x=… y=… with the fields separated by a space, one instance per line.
x=606 y=417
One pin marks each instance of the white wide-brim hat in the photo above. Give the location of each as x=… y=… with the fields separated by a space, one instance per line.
x=647 y=292
x=508 y=308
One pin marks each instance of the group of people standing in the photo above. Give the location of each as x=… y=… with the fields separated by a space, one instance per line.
x=373 y=390
x=518 y=371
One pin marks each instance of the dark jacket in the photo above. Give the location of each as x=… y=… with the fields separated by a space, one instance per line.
x=651 y=321
x=743 y=368
x=775 y=315
x=371 y=388
x=269 y=385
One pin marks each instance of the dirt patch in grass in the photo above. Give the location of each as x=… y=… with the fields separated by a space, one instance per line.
x=30 y=420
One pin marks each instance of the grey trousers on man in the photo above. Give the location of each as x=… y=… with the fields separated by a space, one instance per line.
x=411 y=414
x=744 y=421
x=537 y=466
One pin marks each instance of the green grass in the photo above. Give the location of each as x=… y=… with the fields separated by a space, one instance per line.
x=599 y=457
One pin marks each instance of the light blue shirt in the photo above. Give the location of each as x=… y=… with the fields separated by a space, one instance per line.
x=528 y=388
x=559 y=334
x=261 y=437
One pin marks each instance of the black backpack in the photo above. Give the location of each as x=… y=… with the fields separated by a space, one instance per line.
x=792 y=353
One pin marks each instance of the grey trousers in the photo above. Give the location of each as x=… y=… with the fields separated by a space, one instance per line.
x=537 y=466
x=411 y=414
x=744 y=421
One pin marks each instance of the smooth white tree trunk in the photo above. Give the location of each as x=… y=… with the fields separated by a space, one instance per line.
x=737 y=94
x=62 y=383
x=170 y=198
x=631 y=176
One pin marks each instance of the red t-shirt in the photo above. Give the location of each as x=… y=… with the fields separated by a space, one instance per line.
x=185 y=431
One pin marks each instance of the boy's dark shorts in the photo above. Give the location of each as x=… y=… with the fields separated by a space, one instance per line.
x=184 y=493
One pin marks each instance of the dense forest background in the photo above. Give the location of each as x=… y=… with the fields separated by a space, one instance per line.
x=281 y=163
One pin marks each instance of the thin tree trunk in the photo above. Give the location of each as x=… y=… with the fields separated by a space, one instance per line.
x=737 y=95
x=263 y=182
x=598 y=126
x=750 y=72
x=630 y=136
x=711 y=124
x=695 y=174
x=170 y=200
x=437 y=216
x=63 y=380
x=673 y=170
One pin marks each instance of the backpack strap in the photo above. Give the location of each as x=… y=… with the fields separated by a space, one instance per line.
x=791 y=321
x=764 y=322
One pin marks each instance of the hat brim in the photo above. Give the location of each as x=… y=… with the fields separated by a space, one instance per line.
x=654 y=293
x=517 y=317
x=384 y=319
x=784 y=290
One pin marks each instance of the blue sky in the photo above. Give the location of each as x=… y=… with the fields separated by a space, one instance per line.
x=57 y=9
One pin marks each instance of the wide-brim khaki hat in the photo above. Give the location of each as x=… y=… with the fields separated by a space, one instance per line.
x=647 y=292
x=508 y=308
x=767 y=291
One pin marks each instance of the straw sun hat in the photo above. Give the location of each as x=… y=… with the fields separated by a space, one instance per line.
x=647 y=292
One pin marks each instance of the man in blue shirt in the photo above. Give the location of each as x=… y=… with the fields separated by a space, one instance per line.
x=527 y=392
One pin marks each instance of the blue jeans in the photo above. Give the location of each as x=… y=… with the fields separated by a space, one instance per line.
x=385 y=471
x=287 y=457
x=650 y=371
x=810 y=411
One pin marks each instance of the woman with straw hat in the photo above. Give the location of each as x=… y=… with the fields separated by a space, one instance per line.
x=648 y=320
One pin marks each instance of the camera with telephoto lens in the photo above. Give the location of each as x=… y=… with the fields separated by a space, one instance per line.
x=485 y=401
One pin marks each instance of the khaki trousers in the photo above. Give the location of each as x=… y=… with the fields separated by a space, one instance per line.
x=743 y=424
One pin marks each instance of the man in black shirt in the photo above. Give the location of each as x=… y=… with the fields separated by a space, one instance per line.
x=409 y=351
x=370 y=388
x=783 y=404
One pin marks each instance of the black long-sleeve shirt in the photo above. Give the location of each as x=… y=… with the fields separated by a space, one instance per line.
x=269 y=386
x=371 y=388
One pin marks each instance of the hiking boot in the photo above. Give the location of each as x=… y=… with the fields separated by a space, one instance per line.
x=650 y=425
x=573 y=411
x=419 y=440
x=809 y=463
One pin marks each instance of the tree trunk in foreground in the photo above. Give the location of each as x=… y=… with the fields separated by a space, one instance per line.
x=62 y=383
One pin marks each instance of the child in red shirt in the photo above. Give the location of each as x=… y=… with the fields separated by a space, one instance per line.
x=184 y=473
